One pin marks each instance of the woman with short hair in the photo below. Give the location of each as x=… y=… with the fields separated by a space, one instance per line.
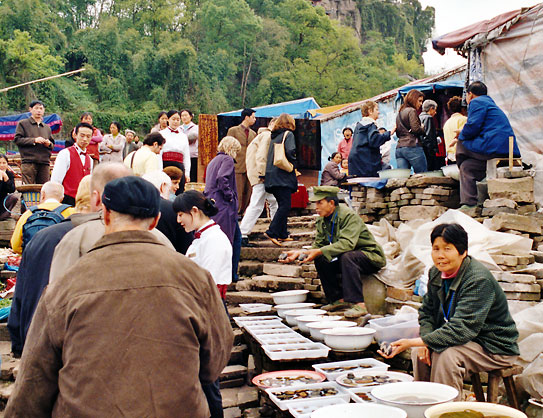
x=465 y=323
x=162 y=122
x=111 y=148
x=409 y=152
x=332 y=175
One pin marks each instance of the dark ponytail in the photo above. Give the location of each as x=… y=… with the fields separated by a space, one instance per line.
x=193 y=198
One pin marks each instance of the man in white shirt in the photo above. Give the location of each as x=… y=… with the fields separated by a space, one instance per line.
x=73 y=163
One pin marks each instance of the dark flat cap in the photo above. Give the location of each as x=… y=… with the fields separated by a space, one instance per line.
x=133 y=196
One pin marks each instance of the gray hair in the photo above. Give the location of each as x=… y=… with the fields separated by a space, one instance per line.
x=428 y=104
x=157 y=178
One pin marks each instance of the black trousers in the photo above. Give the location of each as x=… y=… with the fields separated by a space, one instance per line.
x=278 y=225
x=68 y=200
x=352 y=265
x=214 y=399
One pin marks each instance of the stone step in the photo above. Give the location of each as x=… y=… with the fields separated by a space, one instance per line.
x=249 y=296
x=282 y=270
x=261 y=253
x=250 y=268
x=277 y=283
x=233 y=376
x=238 y=355
x=291 y=219
x=242 y=397
x=296 y=234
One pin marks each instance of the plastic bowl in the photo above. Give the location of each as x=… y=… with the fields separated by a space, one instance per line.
x=359 y=410
x=292 y=314
x=307 y=319
x=348 y=339
x=315 y=328
x=414 y=397
x=289 y=296
x=451 y=171
x=395 y=173
x=483 y=407
x=281 y=309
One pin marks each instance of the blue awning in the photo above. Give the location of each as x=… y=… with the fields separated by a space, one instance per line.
x=431 y=87
x=298 y=109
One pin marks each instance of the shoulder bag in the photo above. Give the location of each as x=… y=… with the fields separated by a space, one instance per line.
x=279 y=157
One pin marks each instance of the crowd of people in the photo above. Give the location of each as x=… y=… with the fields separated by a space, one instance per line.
x=115 y=227
x=469 y=139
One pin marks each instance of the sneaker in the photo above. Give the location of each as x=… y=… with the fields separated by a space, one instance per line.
x=467 y=207
x=356 y=312
x=336 y=306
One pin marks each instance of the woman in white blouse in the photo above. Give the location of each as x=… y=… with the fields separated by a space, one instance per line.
x=191 y=130
x=111 y=147
x=176 y=150
x=211 y=250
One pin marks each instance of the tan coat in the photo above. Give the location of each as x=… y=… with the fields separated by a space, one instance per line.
x=130 y=330
x=238 y=132
x=257 y=156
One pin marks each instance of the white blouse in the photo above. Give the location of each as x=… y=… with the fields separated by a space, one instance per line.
x=177 y=142
x=213 y=252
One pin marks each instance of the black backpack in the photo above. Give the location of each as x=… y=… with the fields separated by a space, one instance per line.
x=40 y=219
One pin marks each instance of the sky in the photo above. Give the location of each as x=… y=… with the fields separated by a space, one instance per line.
x=456 y=14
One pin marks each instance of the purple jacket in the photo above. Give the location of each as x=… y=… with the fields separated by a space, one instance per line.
x=221 y=186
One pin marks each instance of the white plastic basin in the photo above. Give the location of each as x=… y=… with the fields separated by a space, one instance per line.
x=358 y=410
x=303 y=321
x=289 y=296
x=348 y=339
x=315 y=328
x=483 y=407
x=414 y=397
x=291 y=315
x=281 y=309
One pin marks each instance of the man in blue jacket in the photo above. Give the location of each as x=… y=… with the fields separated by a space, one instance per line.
x=484 y=136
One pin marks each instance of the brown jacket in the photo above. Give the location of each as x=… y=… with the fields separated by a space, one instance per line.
x=25 y=133
x=238 y=132
x=130 y=330
x=408 y=128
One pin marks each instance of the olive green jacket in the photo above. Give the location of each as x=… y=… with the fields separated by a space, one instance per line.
x=478 y=312
x=349 y=233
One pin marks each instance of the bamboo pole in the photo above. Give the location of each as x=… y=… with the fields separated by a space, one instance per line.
x=511 y=142
x=41 y=79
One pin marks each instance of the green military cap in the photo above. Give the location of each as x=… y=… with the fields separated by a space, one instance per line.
x=320 y=192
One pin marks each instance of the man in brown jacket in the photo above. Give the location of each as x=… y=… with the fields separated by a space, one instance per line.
x=130 y=330
x=244 y=134
x=35 y=142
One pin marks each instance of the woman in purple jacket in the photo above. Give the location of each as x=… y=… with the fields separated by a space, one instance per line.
x=221 y=185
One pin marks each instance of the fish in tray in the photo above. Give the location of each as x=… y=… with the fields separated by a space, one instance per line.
x=290 y=395
x=345 y=368
x=350 y=380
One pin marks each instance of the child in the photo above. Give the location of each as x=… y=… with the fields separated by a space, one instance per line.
x=344 y=166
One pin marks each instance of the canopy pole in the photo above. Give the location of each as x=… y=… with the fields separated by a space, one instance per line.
x=41 y=79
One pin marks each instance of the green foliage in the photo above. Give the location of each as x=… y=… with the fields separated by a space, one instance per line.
x=142 y=56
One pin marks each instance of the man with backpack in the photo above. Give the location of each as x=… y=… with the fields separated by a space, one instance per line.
x=49 y=212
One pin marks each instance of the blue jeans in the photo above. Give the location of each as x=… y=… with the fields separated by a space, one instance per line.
x=407 y=157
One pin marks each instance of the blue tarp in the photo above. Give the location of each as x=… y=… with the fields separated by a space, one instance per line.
x=433 y=87
x=298 y=109
x=9 y=123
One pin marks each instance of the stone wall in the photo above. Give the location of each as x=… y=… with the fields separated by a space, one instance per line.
x=346 y=11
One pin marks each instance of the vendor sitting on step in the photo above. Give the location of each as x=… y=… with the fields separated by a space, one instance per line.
x=343 y=245
x=465 y=324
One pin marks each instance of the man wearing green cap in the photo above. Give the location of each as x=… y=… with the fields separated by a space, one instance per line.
x=343 y=244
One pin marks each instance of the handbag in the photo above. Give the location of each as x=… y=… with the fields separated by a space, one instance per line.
x=279 y=157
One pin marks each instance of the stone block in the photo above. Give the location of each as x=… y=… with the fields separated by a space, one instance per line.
x=538 y=256
x=504 y=276
x=408 y=213
x=310 y=275
x=395 y=183
x=374 y=200
x=526 y=209
x=377 y=205
x=503 y=221
x=248 y=296
x=511 y=260
x=277 y=283
x=250 y=268
x=422 y=181
x=403 y=202
x=242 y=285
x=244 y=396
x=423 y=196
x=536 y=270
x=519 y=190
x=523 y=296
x=521 y=287
x=437 y=191
x=393 y=210
x=372 y=193
x=407 y=196
x=232 y=413
x=400 y=191
x=232 y=372
x=6 y=391
x=515 y=306
x=8 y=366
x=392 y=217
x=358 y=194
x=415 y=201
x=499 y=203
x=261 y=254
x=311 y=287
x=490 y=212
x=283 y=270
x=430 y=202
x=399 y=294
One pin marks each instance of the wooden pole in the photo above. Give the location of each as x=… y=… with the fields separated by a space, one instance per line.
x=41 y=79
x=511 y=143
